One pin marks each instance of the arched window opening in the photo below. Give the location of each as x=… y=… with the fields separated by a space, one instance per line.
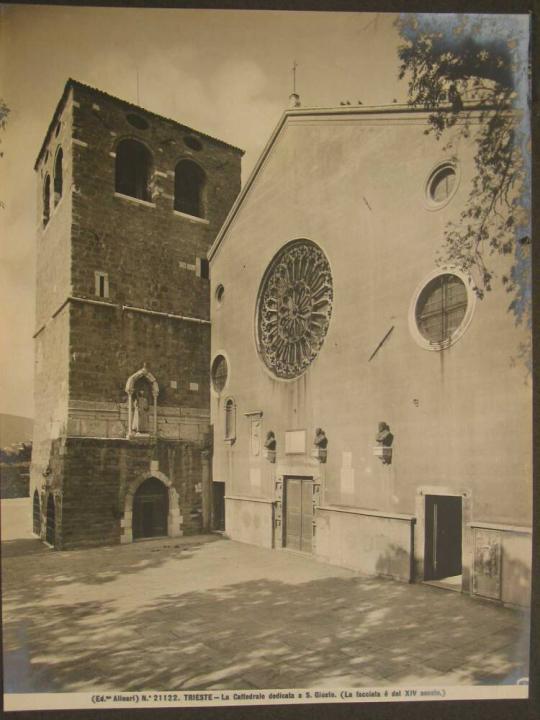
x=189 y=181
x=46 y=200
x=51 y=520
x=230 y=420
x=36 y=514
x=150 y=509
x=133 y=169
x=58 y=176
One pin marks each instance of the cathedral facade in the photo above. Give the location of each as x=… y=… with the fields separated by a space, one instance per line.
x=368 y=407
x=129 y=204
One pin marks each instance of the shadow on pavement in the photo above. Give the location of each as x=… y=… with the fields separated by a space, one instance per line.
x=335 y=631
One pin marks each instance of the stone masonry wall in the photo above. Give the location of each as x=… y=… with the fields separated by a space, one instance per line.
x=144 y=247
x=100 y=473
x=108 y=345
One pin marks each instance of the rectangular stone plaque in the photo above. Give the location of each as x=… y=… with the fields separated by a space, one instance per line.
x=295 y=442
x=487 y=563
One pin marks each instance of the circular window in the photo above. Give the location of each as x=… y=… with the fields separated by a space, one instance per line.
x=220 y=294
x=294 y=308
x=441 y=185
x=192 y=142
x=137 y=121
x=442 y=310
x=219 y=373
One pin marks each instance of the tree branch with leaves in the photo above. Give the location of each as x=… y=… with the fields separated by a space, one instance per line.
x=470 y=73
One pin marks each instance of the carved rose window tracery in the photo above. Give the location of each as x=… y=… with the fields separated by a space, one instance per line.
x=294 y=309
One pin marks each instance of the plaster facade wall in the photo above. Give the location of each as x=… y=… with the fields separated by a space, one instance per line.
x=355 y=186
x=249 y=521
x=370 y=544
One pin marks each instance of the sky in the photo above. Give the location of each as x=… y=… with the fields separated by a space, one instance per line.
x=225 y=73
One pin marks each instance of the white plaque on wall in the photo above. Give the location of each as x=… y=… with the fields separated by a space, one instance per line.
x=295 y=441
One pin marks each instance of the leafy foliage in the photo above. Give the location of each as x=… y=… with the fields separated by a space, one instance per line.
x=470 y=74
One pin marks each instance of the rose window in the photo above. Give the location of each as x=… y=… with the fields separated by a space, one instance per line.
x=295 y=305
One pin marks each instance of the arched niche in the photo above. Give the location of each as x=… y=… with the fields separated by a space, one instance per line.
x=173 y=510
x=142 y=391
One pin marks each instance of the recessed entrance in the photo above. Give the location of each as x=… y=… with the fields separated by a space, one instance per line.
x=51 y=520
x=150 y=509
x=443 y=541
x=298 y=531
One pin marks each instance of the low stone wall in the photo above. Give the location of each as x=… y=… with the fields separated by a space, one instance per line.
x=368 y=541
x=249 y=520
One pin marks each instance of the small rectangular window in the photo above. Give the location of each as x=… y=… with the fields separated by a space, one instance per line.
x=102 y=284
x=203 y=268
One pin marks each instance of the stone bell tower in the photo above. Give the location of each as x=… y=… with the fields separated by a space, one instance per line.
x=129 y=204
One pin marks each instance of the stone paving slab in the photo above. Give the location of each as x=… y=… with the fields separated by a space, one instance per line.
x=205 y=612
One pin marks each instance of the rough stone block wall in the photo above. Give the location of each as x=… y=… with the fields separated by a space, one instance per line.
x=108 y=345
x=53 y=242
x=50 y=391
x=97 y=475
x=144 y=247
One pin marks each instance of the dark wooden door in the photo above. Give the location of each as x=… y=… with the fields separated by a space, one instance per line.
x=443 y=536
x=218 y=502
x=150 y=509
x=50 y=534
x=299 y=513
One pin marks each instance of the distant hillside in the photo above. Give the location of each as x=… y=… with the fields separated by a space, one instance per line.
x=14 y=429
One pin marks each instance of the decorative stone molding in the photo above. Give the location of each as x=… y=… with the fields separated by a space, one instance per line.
x=173 y=518
x=294 y=308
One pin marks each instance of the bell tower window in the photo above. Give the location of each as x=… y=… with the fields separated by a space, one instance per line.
x=189 y=182
x=133 y=169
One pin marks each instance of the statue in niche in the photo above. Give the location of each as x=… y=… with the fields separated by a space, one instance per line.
x=270 y=446
x=384 y=439
x=141 y=407
x=320 y=441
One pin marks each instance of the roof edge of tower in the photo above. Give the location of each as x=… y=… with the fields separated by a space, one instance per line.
x=71 y=83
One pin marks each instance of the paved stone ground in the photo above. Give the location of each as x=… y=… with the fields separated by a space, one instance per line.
x=204 y=612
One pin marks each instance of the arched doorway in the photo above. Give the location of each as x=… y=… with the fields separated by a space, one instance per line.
x=51 y=520
x=150 y=509
x=36 y=514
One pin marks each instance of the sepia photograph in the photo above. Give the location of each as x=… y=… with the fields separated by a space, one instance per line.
x=266 y=378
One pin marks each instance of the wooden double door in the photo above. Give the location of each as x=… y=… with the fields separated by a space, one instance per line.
x=443 y=537
x=298 y=531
